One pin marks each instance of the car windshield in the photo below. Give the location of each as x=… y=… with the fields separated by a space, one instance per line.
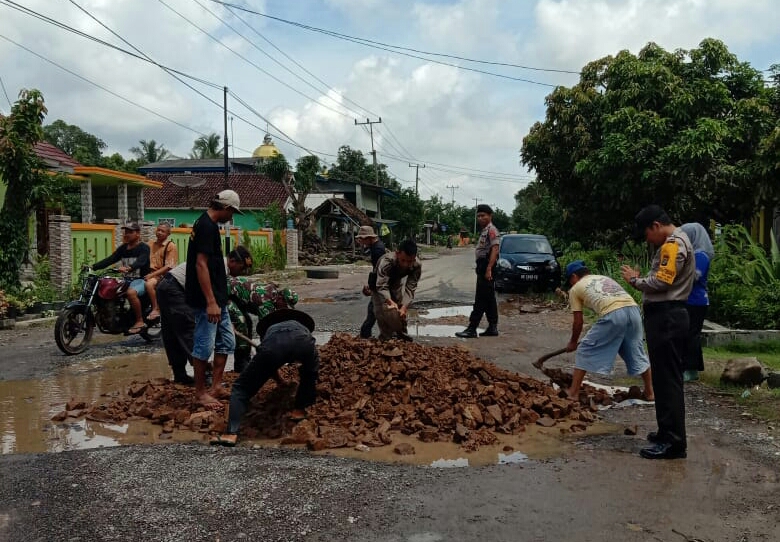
x=519 y=245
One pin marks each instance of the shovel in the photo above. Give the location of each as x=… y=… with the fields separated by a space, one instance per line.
x=539 y=362
x=245 y=338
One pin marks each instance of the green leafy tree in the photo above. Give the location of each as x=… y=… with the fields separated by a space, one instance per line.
x=150 y=151
x=20 y=170
x=537 y=211
x=501 y=220
x=351 y=165
x=683 y=129
x=408 y=209
x=117 y=162
x=82 y=146
x=207 y=147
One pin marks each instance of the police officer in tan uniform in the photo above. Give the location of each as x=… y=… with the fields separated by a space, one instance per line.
x=665 y=290
x=486 y=254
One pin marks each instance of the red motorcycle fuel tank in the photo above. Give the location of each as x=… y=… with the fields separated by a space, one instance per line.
x=111 y=288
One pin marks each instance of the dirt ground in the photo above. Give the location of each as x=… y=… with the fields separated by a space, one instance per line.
x=596 y=489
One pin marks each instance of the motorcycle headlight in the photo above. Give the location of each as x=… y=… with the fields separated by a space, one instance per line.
x=504 y=264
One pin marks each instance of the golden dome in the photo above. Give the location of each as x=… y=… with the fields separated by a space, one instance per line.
x=266 y=150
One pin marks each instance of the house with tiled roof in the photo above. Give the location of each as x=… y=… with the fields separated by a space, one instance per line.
x=183 y=197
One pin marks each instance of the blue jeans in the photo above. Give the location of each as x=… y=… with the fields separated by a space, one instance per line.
x=208 y=337
x=139 y=285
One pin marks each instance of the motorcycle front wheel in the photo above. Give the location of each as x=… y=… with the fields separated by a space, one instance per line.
x=73 y=330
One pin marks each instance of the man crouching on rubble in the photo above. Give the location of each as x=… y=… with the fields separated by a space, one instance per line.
x=397 y=275
x=286 y=338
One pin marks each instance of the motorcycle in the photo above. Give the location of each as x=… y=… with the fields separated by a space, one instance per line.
x=103 y=303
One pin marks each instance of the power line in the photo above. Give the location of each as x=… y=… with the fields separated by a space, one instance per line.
x=256 y=66
x=369 y=42
x=49 y=20
x=291 y=59
x=131 y=102
x=10 y=105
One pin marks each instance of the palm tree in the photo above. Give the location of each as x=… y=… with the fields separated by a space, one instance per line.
x=206 y=147
x=150 y=152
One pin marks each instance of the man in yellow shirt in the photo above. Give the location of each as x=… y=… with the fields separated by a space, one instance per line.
x=617 y=331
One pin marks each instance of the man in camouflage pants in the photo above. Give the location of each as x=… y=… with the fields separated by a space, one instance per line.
x=256 y=298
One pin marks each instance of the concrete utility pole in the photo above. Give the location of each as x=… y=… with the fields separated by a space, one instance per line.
x=417 y=178
x=373 y=151
x=453 y=188
x=476 y=204
x=376 y=167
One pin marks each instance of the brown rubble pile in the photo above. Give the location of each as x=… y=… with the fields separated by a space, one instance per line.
x=316 y=252
x=367 y=391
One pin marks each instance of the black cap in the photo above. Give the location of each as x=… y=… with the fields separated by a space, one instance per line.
x=484 y=208
x=645 y=218
x=133 y=226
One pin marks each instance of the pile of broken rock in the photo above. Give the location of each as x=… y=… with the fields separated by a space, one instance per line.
x=367 y=391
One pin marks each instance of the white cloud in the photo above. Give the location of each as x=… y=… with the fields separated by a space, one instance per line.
x=439 y=114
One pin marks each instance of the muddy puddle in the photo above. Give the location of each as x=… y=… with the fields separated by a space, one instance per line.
x=26 y=408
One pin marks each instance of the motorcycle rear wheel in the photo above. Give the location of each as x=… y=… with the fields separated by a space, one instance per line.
x=152 y=331
x=73 y=330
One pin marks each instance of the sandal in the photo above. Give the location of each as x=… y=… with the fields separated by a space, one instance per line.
x=219 y=441
x=135 y=330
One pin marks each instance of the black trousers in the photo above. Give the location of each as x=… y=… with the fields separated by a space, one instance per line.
x=284 y=343
x=484 y=303
x=694 y=359
x=177 y=321
x=368 y=326
x=666 y=327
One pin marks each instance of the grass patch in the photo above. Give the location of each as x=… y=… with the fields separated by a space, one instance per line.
x=761 y=402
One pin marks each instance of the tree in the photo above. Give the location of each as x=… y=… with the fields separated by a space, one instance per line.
x=683 y=129
x=207 y=147
x=501 y=220
x=21 y=171
x=83 y=147
x=352 y=166
x=537 y=211
x=408 y=209
x=149 y=152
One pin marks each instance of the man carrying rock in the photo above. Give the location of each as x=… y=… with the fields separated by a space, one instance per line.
x=617 y=331
x=369 y=240
x=665 y=290
x=486 y=254
x=286 y=338
x=397 y=275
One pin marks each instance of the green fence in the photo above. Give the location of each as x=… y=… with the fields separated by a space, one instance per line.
x=89 y=244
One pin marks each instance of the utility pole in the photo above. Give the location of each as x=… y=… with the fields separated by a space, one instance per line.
x=225 y=155
x=225 y=150
x=417 y=178
x=373 y=153
x=453 y=188
x=476 y=203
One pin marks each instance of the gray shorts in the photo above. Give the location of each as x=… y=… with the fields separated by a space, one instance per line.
x=618 y=332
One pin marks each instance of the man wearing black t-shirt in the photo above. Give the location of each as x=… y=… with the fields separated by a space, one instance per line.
x=134 y=257
x=206 y=292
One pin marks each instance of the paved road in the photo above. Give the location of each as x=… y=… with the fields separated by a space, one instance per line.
x=727 y=489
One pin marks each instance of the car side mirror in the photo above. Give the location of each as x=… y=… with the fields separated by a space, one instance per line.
x=558 y=253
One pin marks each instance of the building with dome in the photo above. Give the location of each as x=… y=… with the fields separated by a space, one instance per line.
x=266 y=150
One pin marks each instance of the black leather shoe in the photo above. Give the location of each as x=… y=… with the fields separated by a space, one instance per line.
x=468 y=333
x=653 y=437
x=663 y=451
x=491 y=331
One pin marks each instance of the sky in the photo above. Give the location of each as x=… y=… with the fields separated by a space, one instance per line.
x=308 y=88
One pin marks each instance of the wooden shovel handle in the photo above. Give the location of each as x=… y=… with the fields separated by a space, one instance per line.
x=539 y=362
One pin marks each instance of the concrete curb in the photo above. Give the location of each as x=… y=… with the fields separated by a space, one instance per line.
x=34 y=321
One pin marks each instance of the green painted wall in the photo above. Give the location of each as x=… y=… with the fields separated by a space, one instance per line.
x=183 y=216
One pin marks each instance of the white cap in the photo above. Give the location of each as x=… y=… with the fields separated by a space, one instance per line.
x=229 y=198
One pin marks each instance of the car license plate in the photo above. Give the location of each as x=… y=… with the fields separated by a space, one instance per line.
x=529 y=277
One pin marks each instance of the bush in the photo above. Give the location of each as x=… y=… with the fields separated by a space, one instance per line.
x=267 y=258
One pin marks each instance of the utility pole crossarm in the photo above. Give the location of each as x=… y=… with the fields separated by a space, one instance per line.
x=370 y=124
x=417 y=178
